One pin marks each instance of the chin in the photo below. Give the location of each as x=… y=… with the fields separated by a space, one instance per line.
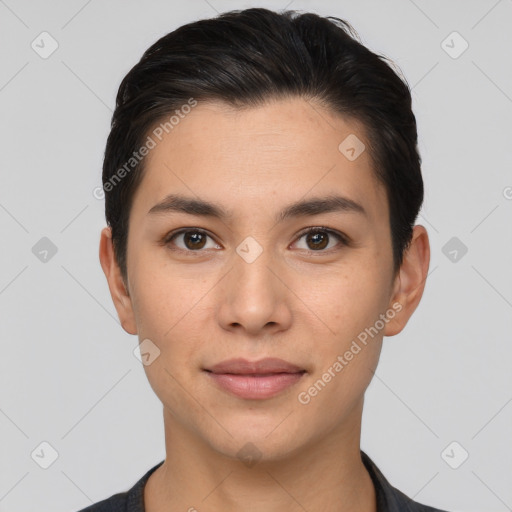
x=257 y=437
x=252 y=450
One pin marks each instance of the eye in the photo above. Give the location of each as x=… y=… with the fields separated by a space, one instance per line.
x=318 y=238
x=192 y=240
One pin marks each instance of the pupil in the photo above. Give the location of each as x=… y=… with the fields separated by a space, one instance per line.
x=194 y=237
x=315 y=236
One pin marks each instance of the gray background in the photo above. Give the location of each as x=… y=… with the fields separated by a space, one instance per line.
x=68 y=373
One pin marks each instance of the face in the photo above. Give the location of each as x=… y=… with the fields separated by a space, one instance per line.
x=241 y=278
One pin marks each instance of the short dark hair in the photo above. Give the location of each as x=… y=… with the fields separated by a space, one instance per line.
x=247 y=57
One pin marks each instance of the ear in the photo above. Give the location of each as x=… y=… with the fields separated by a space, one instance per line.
x=118 y=292
x=410 y=281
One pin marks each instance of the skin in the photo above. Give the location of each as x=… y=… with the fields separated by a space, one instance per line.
x=304 y=306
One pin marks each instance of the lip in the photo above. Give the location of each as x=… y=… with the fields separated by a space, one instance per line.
x=240 y=366
x=256 y=380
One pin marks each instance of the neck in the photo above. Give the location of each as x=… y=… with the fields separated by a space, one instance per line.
x=326 y=475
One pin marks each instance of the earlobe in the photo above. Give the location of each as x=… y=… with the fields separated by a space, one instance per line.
x=120 y=297
x=410 y=281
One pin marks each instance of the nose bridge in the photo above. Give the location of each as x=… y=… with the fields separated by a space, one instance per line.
x=254 y=295
x=253 y=273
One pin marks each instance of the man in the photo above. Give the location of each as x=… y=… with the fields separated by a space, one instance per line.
x=262 y=181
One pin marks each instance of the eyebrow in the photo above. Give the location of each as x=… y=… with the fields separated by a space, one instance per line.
x=309 y=207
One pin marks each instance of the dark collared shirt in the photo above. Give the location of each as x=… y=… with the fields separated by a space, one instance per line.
x=389 y=499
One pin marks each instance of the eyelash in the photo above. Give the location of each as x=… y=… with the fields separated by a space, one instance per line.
x=344 y=241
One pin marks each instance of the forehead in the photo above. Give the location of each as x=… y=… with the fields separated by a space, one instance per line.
x=259 y=156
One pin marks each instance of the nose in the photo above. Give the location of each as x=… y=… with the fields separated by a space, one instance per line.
x=254 y=296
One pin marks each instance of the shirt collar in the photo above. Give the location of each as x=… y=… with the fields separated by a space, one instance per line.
x=389 y=499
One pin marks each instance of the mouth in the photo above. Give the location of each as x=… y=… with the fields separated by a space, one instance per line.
x=255 y=380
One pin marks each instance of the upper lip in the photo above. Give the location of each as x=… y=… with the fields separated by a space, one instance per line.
x=242 y=366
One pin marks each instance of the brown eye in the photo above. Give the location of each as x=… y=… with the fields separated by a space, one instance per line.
x=318 y=239
x=194 y=240
x=189 y=240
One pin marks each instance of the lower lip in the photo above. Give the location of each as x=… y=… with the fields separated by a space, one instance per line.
x=253 y=386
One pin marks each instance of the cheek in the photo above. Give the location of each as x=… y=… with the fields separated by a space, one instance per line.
x=166 y=314
x=347 y=356
x=162 y=298
x=353 y=303
x=346 y=301
x=172 y=312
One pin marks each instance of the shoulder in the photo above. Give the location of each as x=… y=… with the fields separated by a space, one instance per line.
x=389 y=498
x=406 y=504
x=116 y=503
x=128 y=501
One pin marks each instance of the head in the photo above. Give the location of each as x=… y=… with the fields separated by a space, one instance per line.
x=248 y=130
